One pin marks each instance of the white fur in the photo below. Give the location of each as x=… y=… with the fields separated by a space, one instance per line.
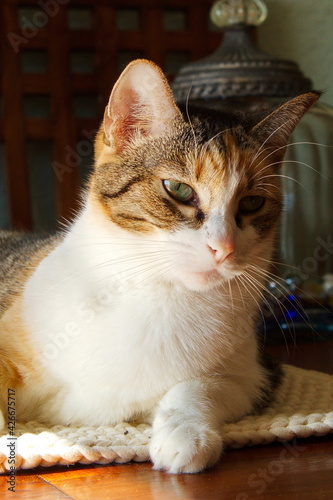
x=144 y=325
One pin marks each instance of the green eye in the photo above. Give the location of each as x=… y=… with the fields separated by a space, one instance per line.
x=251 y=204
x=179 y=190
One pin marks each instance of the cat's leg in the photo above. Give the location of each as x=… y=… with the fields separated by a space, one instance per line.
x=187 y=424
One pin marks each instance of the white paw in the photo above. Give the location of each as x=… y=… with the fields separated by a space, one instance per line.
x=184 y=447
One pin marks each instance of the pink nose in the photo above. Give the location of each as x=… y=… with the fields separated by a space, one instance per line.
x=221 y=249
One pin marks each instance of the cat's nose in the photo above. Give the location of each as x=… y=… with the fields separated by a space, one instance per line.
x=221 y=249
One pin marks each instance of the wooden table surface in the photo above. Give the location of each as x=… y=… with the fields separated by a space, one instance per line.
x=301 y=470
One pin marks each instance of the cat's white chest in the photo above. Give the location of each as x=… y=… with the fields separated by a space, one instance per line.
x=115 y=347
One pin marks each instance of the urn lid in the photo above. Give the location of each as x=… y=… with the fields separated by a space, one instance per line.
x=238 y=68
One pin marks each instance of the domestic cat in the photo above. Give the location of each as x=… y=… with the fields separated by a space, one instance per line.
x=145 y=306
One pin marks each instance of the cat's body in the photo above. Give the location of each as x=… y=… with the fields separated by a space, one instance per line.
x=146 y=307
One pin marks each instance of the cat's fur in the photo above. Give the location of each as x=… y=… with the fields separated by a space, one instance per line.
x=145 y=307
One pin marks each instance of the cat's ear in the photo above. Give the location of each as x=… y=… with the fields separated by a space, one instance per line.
x=141 y=105
x=275 y=130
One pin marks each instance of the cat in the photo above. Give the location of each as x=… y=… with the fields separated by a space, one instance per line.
x=145 y=306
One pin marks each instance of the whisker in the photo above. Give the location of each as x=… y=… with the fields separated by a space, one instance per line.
x=298 y=162
x=240 y=291
x=300 y=309
x=289 y=266
x=250 y=281
x=245 y=280
x=286 y=293
x=268 y=191
x=286 y=177
x=267 y=139
x=287 y=146
x=231 y=297
x=116 y=260
x=190 y=121
x=207 y=144
x=163 y=271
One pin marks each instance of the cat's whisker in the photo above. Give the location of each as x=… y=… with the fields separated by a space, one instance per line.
x=295 y=269
x=251 y=281
x=145 y=264
x=240 y=291
x=290 y=267
x=132 y=274
x=282 y=176
x=275 y=131
x=278 y=280
x=231 y=297
x=211 y=139
x=283 y=308
x=298 y=162
x=289 y=145
x=130 y=257
x=164 y=266
x=116 y=241
x=246 y=283
x=116 y=260
x=277 y=263
x=162 y=271
x=190 y=121
x=286 y=293
x=148 y=245
x=208 y=143
x=265 y=188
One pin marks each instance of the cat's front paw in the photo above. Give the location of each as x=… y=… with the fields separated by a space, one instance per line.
x=184 y=447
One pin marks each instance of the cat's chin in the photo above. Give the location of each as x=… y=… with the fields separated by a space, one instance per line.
x=200 y=281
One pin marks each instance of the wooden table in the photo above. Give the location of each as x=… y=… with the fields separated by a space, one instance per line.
x=301 y=470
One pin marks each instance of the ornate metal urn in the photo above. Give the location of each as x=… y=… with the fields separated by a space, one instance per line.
x=238 y=74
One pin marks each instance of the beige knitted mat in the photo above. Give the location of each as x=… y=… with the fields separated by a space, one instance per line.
x=303 y=407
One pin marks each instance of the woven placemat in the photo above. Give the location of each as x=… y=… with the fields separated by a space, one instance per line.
x=303 y=407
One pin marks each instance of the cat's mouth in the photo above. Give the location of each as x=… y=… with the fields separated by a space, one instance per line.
x=201 y=280
x=201 y=272
x=210 y=275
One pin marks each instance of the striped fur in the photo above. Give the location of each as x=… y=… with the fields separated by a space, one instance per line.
x=19 y=254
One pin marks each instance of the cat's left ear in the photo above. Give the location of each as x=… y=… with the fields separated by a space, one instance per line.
x=141 y=105
x=274 y=130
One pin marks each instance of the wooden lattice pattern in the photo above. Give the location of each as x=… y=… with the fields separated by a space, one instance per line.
x=60 y=59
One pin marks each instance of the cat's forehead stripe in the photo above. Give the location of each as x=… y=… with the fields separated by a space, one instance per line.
x=209 y=164
x=123 y=189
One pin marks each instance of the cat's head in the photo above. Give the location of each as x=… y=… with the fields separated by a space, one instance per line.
x=206 y=184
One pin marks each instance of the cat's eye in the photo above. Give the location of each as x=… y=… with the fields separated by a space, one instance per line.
x=179 y=190
x=251 y=204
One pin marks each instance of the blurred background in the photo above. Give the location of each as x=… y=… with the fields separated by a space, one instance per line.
x=60 y=60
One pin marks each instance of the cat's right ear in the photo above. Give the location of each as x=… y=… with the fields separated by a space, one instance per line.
x=141 y=105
